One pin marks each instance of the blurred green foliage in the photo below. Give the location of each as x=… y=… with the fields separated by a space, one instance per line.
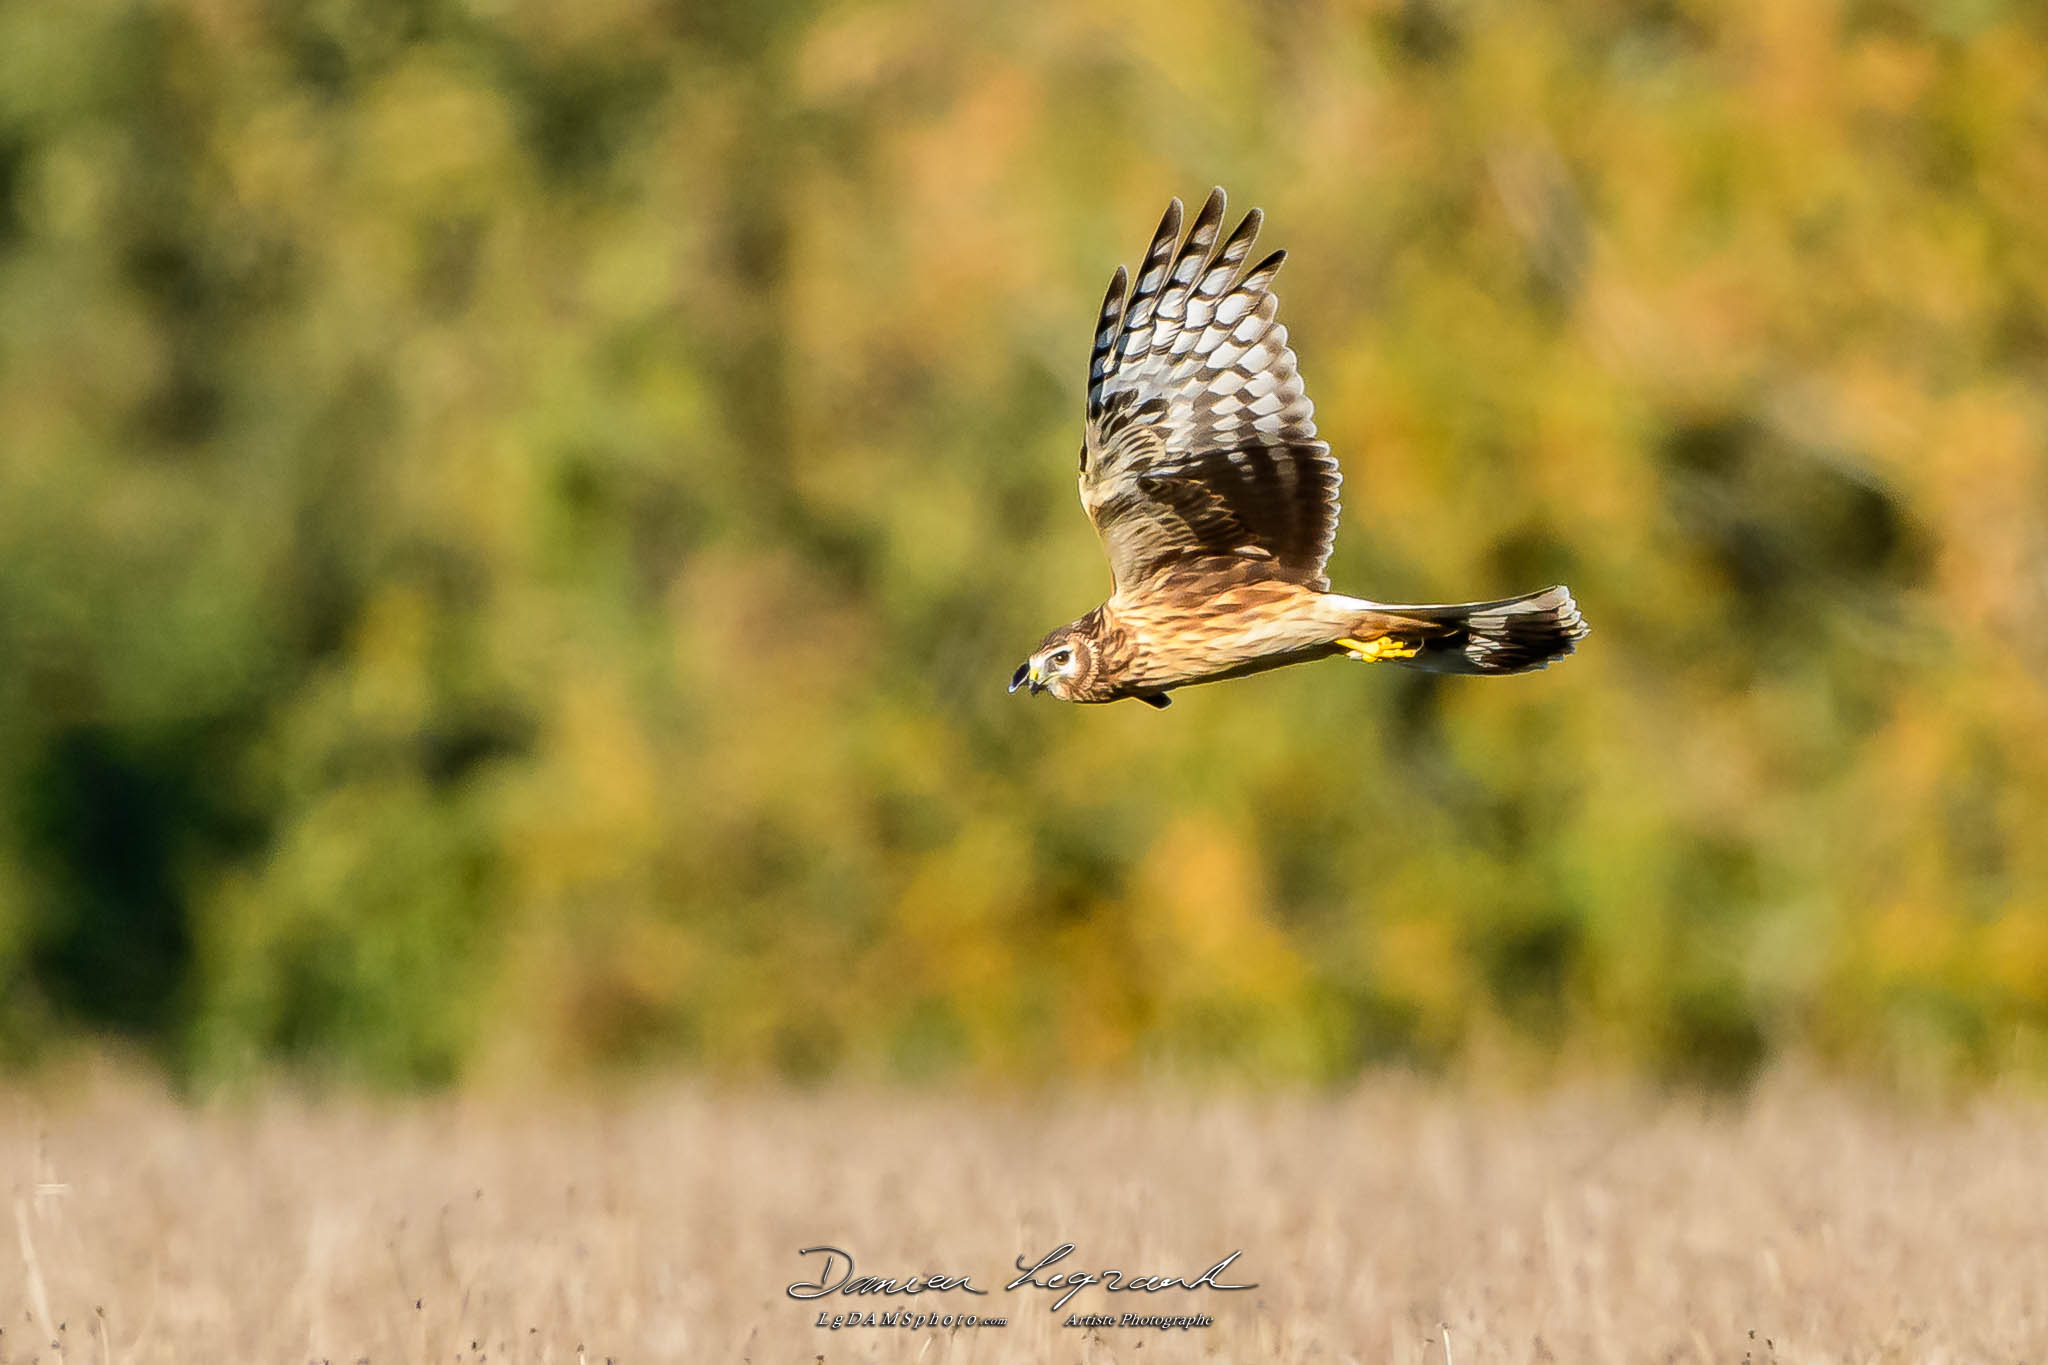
x=515 y=520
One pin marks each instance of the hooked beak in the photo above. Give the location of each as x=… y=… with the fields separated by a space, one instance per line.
x=1026 y=676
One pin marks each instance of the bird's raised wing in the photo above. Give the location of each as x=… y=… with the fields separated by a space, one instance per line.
x=1201 y=442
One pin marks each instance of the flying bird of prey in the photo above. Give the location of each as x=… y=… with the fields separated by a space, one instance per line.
x=1217 y=505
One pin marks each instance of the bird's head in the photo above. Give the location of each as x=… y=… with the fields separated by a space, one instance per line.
x=1062 y=664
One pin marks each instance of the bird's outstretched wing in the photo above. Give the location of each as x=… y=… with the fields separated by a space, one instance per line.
x=1201 y=442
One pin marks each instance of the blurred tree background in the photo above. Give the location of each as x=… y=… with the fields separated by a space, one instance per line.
x=515 y=520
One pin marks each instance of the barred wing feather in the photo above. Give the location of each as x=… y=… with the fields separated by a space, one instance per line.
x=1201 y=441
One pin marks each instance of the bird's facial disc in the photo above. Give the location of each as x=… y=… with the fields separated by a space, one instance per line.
x=1054 y=668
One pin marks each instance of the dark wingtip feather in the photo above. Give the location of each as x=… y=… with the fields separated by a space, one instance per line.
x=1108 y=322
x=1269 y=266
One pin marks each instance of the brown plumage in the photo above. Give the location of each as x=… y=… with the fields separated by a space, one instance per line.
x=1217 y=504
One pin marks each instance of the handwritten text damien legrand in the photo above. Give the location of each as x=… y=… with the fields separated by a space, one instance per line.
x=836 y=1277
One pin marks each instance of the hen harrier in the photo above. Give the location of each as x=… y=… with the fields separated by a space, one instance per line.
x=1217 y=505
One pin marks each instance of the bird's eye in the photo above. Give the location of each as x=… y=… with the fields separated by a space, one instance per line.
x=1062 y=658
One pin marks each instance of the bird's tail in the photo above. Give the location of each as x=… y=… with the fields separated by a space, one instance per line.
x=1513 y=635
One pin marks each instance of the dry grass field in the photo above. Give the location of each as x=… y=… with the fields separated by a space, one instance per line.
x=1399 y=1222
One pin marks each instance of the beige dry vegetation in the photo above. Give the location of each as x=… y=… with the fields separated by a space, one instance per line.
x=1585 y=1225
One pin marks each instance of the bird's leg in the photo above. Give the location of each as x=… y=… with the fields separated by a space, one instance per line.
x=1386 y=647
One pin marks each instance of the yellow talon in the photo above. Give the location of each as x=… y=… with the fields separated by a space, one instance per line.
x=1386 y=647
